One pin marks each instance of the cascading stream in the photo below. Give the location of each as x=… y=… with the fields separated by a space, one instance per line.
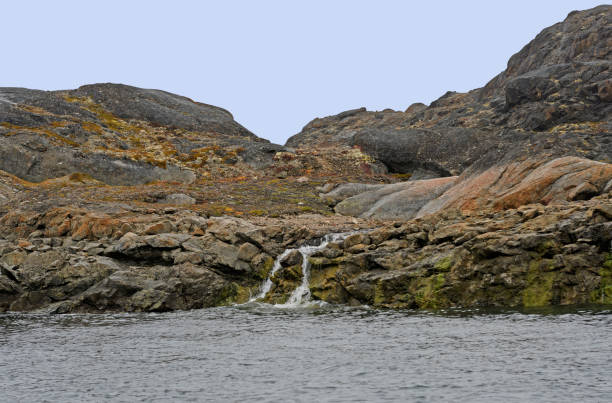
x=301 y=295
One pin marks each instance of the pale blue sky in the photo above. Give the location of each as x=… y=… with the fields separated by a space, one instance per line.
x=274 y=64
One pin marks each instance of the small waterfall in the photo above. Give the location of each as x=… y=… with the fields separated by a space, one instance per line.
x=301 y=295
x=267 y=284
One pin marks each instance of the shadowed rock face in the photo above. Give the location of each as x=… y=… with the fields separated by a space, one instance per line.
x=558 y=87
x=425 y=152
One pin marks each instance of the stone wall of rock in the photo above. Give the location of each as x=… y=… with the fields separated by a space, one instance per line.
x=531 y=256
x=77 y=261
x=71 y=260
x=553 y=99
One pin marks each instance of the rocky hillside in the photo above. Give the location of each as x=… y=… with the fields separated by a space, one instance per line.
x=158 y=144
x=117 y=134
x=553 y=99
x=115 y=198
x=538 y=132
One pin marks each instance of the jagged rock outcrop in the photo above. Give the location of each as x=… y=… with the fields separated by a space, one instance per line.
x=531 y=256
x=554 y=92
x=537 y=133
x=582 y=37
x=67 y=260
x=76 y=261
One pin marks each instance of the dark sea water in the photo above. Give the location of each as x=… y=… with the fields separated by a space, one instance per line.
x=262 y=353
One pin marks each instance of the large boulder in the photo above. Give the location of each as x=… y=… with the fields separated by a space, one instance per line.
x=347 y=190
x=425 y=153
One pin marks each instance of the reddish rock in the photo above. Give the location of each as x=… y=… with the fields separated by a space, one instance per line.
x=103 y=228
x=159 y=228
x=22 y=243
x=524 y=182
x=81 y=229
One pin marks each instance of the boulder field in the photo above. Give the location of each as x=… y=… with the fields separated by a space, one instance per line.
x=121 y=199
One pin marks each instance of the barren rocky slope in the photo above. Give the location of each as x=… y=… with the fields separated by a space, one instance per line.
x=116 y=198
x=552 y=100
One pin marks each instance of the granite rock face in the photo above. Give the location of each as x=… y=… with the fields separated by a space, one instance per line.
x=539 y=132
x=531 y=256
x=65 y=261
x=399 y=201
x=502 y=186
x=519 y=183
x=70 y=260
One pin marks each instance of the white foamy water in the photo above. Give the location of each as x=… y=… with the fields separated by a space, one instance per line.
x=301 y=295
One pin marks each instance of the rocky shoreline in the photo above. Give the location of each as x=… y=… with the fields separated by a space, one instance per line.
x=121 y=199
x=535 y=255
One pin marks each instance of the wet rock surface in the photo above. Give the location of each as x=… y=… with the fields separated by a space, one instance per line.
x=78 y=261
x=531 y=256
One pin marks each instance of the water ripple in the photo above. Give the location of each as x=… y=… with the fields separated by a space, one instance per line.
x=329 y=353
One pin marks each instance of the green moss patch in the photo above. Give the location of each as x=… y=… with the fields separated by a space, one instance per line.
x=539 y=289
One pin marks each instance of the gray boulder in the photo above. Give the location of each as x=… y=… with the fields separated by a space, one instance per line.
x=347 y=190
x=430 y=153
